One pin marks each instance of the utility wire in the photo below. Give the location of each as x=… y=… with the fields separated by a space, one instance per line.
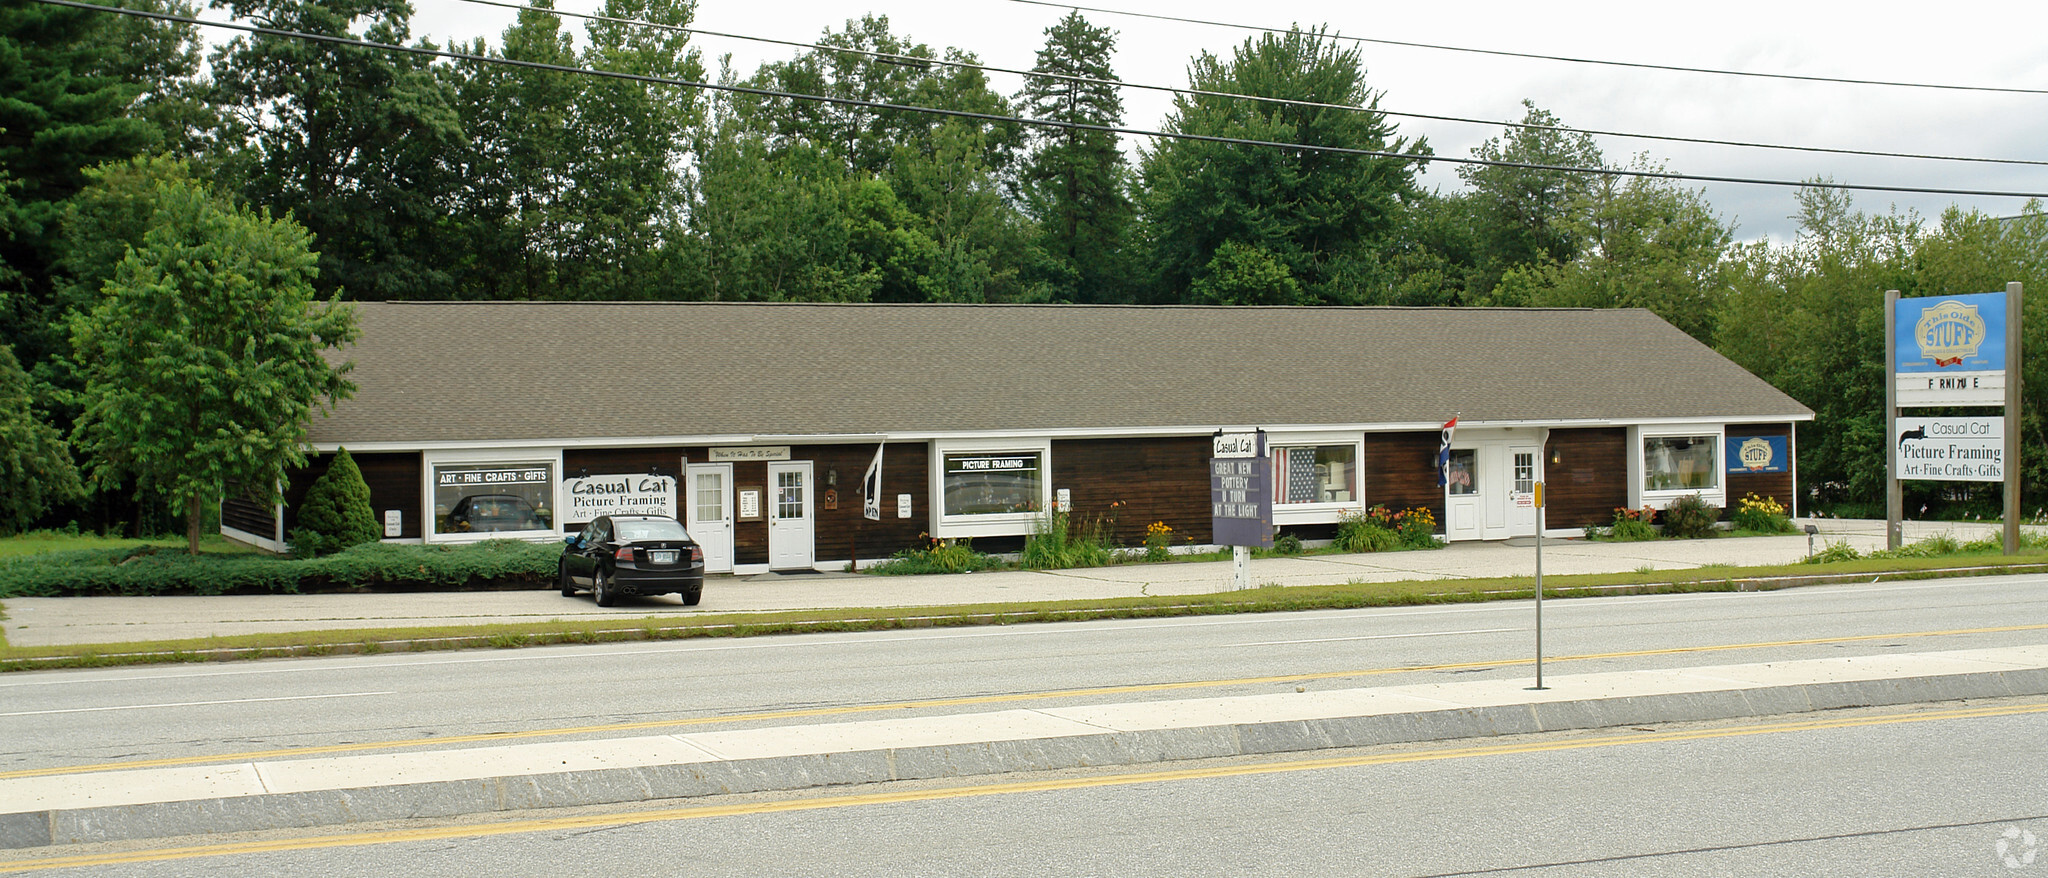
x=995 y=118
x=1539 y=57
x=1083 y=80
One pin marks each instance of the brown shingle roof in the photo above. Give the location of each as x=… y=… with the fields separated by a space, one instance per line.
x=435 y=372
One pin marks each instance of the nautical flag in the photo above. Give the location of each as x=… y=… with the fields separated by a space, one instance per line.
x=871 y=489
x=1443 y=454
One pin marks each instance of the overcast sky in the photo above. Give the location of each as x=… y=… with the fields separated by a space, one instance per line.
x=1995 y=44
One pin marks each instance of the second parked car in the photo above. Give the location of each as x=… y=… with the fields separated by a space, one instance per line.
x=633 y=554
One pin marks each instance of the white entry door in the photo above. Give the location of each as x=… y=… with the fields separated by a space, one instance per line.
x=1522 y=490
x=708 y=506
x=791 y=533
x=1464 y=505
x=1493 y=490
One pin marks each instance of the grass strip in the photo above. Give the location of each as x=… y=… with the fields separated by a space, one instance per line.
x=1268 y=599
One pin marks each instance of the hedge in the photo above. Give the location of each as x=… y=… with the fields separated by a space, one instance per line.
x=372 y=566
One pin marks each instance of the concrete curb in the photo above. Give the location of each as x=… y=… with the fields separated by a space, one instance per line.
x=716 y=776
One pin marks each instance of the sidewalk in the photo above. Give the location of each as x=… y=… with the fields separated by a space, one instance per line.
x=117 y=620
x=286 y=793
x=72 y=807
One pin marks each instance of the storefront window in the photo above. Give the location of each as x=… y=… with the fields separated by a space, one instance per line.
x=1679 y=463
x=992 y=483
x=1461 y=474
x=1315 y=474
x=493 y=497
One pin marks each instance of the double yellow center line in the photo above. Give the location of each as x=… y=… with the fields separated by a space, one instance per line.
x=966 y=791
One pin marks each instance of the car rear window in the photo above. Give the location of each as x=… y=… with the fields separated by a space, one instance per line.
x=656 y=529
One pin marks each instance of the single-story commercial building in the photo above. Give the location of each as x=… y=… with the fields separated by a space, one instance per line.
x=758 y=423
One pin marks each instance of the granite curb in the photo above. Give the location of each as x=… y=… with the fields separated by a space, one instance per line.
x=695 y=779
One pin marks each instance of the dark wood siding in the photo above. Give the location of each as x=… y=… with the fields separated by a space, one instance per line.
x=1400 y=472
x=1589 y=479
x=842 y=532
x=249 y=516
x=1776 y=486
x=394 y=480
x=1130 y=483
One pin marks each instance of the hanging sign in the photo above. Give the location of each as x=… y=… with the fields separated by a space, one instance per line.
x=1758 y=454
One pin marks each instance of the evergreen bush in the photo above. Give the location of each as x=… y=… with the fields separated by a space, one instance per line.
x=370 y=566
x=336 y=512
x=1690 y=517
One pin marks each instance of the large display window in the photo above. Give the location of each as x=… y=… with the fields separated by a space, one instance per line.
x=505 y=497
x=1315 y=474
x=993 y=482
x=1681 y=463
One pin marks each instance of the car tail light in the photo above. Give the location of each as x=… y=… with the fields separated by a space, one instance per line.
x=625 y=553
x=696 y=553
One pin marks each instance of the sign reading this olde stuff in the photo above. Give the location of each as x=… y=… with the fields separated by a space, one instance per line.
x=1950 y=350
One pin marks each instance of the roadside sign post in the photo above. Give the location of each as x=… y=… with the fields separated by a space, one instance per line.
x=1945 y=352
x=1539 y=586
x=1241 y=505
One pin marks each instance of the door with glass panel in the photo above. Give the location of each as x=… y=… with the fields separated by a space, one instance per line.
x=1464 y=511
x=1522 y=490
x=708 y=509
x=791 y=531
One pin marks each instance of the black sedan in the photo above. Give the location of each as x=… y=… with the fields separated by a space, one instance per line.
x=633 y=554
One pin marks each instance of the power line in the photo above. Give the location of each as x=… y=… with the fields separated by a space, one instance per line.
x=962 y=65
x=996 y=118
x=1564 y=58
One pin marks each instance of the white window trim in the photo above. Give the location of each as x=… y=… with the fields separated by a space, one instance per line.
x=1006 y=524
x=431 y=459
x=1316 y=513
x=1637 y=468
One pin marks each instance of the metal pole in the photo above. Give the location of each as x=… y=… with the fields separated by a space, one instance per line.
x=1894 y=495
x=2012 y=418
x=1539 y=585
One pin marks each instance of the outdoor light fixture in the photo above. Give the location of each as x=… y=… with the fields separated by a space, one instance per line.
x=832 y=478
x=1811 y=532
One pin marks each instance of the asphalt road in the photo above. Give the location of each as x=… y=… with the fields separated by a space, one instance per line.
x=73 y=718
x=1912 y=791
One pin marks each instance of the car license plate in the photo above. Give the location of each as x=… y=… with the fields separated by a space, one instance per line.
x=667 y=556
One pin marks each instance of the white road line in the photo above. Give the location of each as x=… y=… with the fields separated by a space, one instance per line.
x=194 y=703
x=1380 y=637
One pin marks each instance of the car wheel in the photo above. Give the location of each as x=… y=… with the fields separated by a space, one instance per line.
x=603 y=591
x=568 y=585
x=692 y=596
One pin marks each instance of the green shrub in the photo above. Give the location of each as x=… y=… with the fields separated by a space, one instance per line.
x=1284 y=544
x=1417 y=528
x=1764 y=515
x=336 y=512
x=941 y=556
x=1631 y=525
x=1690 y=517
x=1057 y=543
x=146 y=571
x=1840 y=550
x=1365 y=531
x=1158 y=541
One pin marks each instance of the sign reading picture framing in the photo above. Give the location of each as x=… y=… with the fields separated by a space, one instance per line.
x=1953 y=351
x=618 y=494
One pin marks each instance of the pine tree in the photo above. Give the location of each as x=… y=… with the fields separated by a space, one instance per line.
x=336 y=512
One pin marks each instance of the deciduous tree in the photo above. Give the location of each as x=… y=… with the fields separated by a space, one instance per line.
x=1329 y=218
x=204 y=360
